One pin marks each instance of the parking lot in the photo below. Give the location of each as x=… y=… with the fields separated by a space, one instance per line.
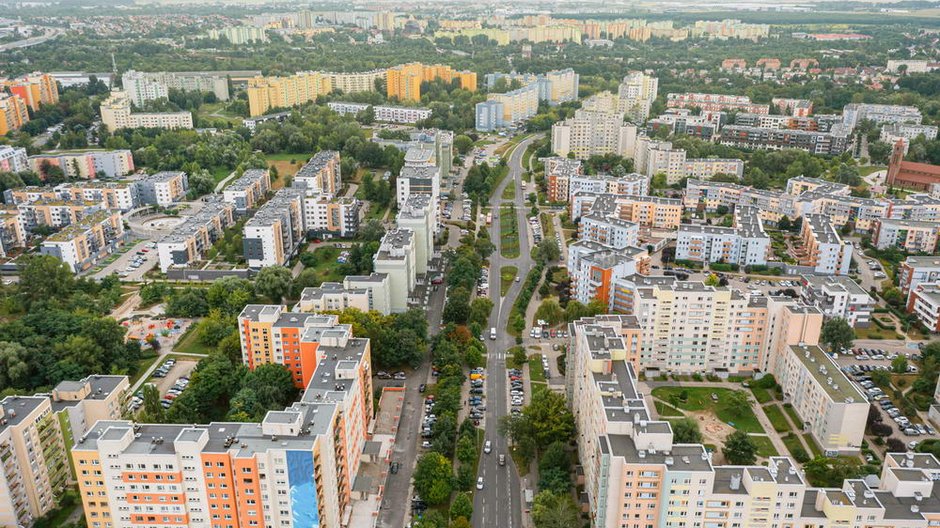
x=171 y=378
x=134 y=263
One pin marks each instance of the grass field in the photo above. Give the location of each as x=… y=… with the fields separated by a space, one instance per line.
x=326 y=264
x=761 y=395
x=813 y=446
x=777 y=419
x=765 y=448
x=793 y=416
x=666 y=410
x=700 y=399
x=508 y=231
x=548 y=227
x=189 y=343
x=507 y=274
x=793 y=444
x=535 y=368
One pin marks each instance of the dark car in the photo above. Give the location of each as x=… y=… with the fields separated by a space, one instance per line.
x=394 y=468
x=422 y=387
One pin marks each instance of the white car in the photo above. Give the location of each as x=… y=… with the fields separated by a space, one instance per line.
x=488 y=447
x=480 y=483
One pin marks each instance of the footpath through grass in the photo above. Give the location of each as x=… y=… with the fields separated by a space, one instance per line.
x=724 y=406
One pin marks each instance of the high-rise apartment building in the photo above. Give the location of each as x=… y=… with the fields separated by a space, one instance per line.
x=85 y=164
x=396 y=258
x=13 y=159
x=191 y=240
x=823 y=249
x=404 y=81
x=591 y=133
x=265 y=93
x=275 y=233
x=35 y=89
x=744 y=244
x=14 y=113
x=147 y=86
x=321 y=174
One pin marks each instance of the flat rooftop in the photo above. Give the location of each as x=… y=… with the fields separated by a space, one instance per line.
x=822 y=368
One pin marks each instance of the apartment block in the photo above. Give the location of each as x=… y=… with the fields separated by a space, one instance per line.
x=909 y=235
x=321 y=174
x=147 y=86
x=881 y=114
x=418 y=215
x=404 y=81
x=240 y=474
x=248 y=190
x=397 y=258
x=191 y=240
x=86 y=401
x=384 y=113
x=252 y=123
x=634 y=98
x=239 y=35
x=793 y=107
x=915 y=271
x=608 y=231
x=54 y=213
x=266 y=93
x=12 y=232
x=830 y=143
x=744 y=244
x=715 y=103
x=591 y=133
x=362 y=292
x=832 y=407
x=13 y=159
x=554 y=87
x=162 y=189
x=33 y=456
x=355 y=82
x=681 y=121
x=419 y=179
x=111 y=195
x=823 y=249
x=595 y=267
x=838 y=296
x=629 y=184
x=326 y=216
x=891 y=133
x=558 y=174
x=81 y=245
x=14 y=113
x=116 y=114
x=275 y=233
x=501 y=110
x=647 y=211
x=85 y=164
x=924 y=302
x=35 y=89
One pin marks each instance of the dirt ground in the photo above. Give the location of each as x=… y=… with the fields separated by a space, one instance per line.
x=714 y=431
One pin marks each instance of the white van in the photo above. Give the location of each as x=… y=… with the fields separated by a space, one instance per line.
x=493 y=333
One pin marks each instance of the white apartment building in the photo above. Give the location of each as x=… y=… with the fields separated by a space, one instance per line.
x=84 y=402
x=823 y=249
x=745 y=244
x=146 y=86
x=591 y=133
x=248 y=190
x=594 y=267
x=13 y=159
x=328 y=217
x=192 y=239
x=384 y=113
x=397 y=259
x=275 y=233
x=321 y=174
x=363 y=292
x=116 y=114
x=915 y=271
x=609 y=231
x=838 y=296
x=162 y=189
x=417 y=215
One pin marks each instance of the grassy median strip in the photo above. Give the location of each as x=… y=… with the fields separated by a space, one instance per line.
x=508 y=231
x=507 y=274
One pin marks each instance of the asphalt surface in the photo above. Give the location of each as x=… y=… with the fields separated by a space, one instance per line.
x=499 y=503
x=396 y=503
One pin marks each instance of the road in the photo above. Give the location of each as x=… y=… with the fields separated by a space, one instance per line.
x=396 y=503
x=49 y=34
x=500 y=501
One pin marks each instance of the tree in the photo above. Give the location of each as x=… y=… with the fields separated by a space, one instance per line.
x=711 y=280
x=555 y=479
x=15 y=368
x=549 y=418
x=457 y=308
x=686 y=431
x=480 y=309
x=550 y=311
x=461 y=507
x=432 y=478
x=460 y=522
x=547 y=251
x=273 y=282
x=740 y=449
x=738 y=402
x=214 y=328
x=151 y=410
x=899 y=364
x=837 y=334
x=44 y=277
x=463 y=143
x=201 y=182
x=555 y=511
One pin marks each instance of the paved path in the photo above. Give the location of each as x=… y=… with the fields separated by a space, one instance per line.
x=221 y=185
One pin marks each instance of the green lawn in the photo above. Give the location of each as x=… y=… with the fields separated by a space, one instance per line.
x=326 y=264
x=793 y=444
x=699 y=399
x=795 y=418
x=142 y=365
x=535 y=368
x=508 y=231
x=811 y=442
x=507 y=274
x=510 y=355
x=777 y=419
x=509 y=192
x=548 y=227
x=765 y=448
x=666 y=410
x=189 y=343
x=761 y=395
x=220 y=174
x=376 y=212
